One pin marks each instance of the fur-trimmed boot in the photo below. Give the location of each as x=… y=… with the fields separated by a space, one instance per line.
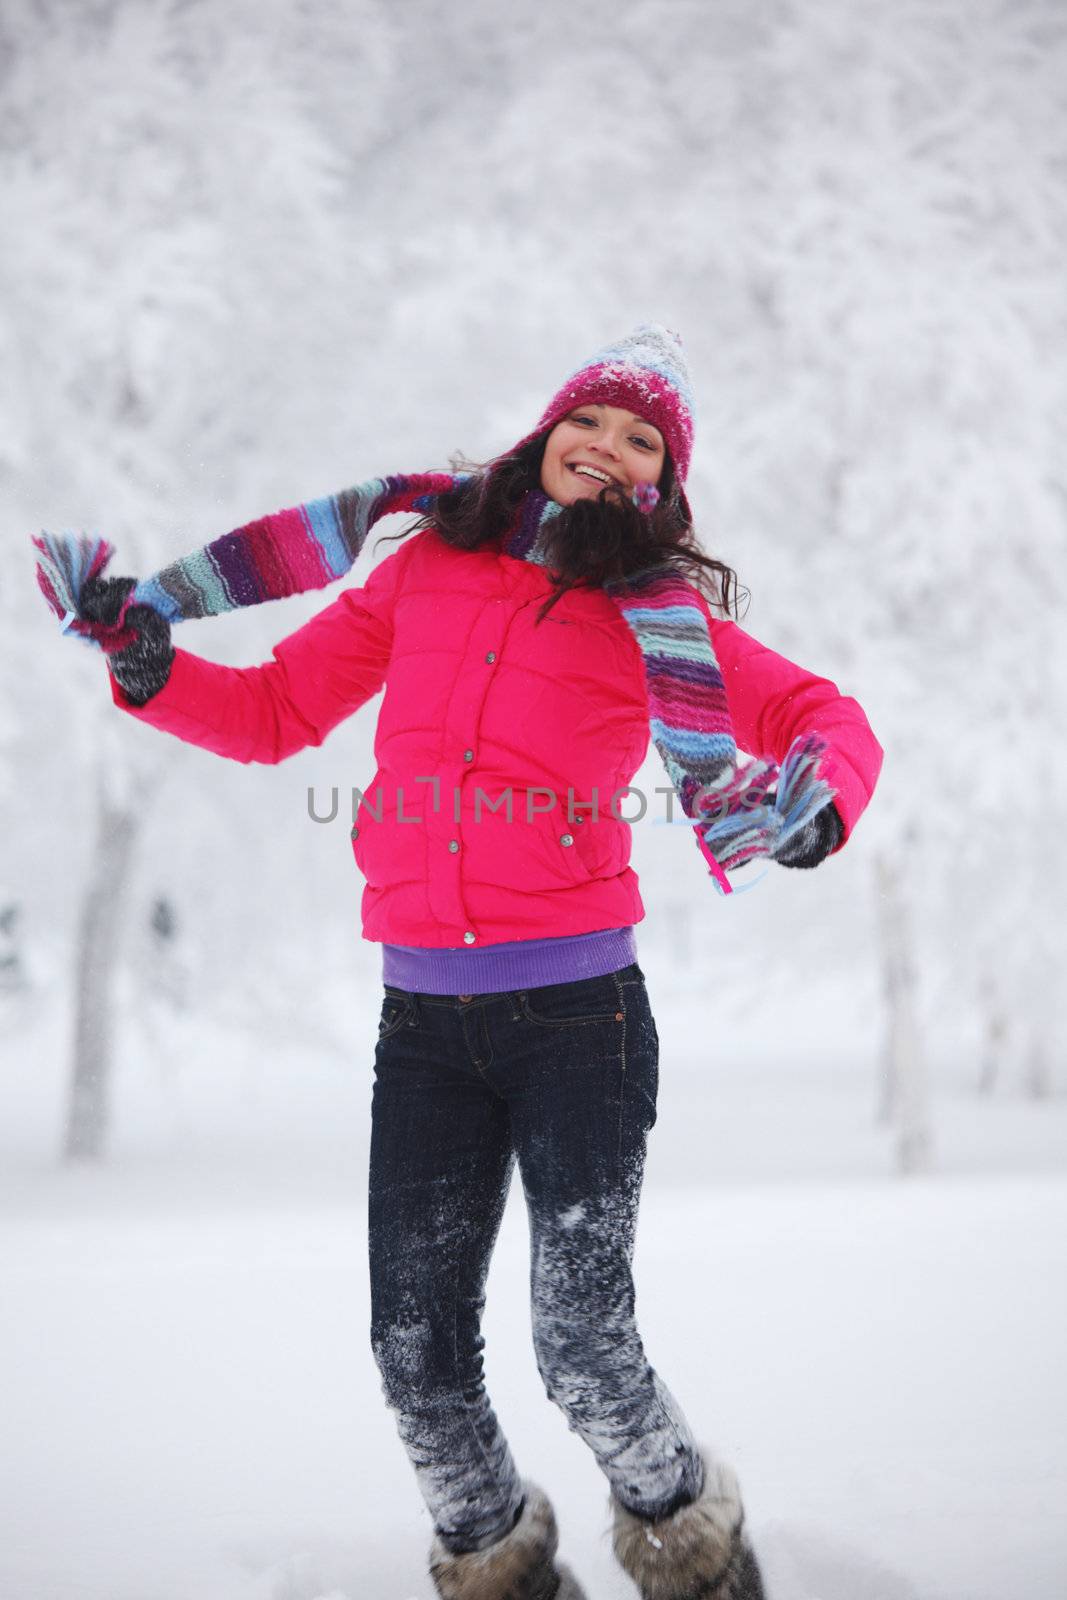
x=699 y=1552
x=521 y=1566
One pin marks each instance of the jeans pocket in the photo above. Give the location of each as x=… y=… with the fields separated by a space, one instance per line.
x=581 y=1003
x=396 y=1010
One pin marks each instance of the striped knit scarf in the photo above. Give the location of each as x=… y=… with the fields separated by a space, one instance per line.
x=739 y=812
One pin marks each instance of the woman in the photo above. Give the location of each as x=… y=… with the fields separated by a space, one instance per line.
x=542 y=624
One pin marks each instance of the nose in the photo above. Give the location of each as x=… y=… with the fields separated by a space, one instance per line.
x=606 y=443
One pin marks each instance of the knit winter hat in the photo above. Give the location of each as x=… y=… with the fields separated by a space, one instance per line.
x=646 y=371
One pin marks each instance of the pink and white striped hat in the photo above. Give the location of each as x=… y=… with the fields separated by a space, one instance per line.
x=646 y=371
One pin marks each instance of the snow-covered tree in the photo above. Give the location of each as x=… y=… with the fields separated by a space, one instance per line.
x=177 y=209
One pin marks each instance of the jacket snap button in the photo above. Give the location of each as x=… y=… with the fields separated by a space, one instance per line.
x=468 y=937
x=464 y=997
x=354 y=834
x=491 y=656
x=619 y=1016
x=453 y=845
x=566 y=838
x=468 y=755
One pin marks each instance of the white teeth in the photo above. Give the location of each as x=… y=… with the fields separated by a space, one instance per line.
x=591 y=472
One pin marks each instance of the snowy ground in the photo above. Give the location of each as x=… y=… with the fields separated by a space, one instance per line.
x=190 y=1407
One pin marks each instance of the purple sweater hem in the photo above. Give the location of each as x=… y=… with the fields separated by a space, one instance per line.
x=518 y=964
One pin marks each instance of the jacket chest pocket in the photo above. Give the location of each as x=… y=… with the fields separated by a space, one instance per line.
x=575 y=852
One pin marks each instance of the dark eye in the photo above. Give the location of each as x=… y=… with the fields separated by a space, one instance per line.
x=646 y=444
x=590 y=420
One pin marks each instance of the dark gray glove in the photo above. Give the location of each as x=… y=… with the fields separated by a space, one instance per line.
x=142 y=666
x=814 y=841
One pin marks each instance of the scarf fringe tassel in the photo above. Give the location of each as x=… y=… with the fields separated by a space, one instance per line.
x=64 y=566
x=761 y=807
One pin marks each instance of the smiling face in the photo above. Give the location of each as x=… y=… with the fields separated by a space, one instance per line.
x=597 y=445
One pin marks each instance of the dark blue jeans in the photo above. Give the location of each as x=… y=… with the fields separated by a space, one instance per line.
x=562 y=1078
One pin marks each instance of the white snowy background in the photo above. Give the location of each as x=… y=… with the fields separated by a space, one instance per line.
x=255 y=252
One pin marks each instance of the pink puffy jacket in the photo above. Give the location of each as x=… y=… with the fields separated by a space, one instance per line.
x=482 y=706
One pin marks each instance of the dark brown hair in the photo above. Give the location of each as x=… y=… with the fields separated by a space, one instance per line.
x=592 y=543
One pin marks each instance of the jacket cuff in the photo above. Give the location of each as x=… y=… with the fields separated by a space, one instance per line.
x=186 y=706
x=166 y=699
x=851 y=792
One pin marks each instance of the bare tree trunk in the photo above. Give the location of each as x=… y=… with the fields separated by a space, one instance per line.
x=887 y=1076
x=888 y=1065
x=96 y=969
x=905 y=1096
x=994 y=1044
x=1041 y=990
x=13 y=975
x=1038 y=1066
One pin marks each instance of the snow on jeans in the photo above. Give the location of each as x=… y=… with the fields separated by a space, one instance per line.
x=562 y=1077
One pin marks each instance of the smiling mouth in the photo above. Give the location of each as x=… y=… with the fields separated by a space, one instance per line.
x=594 y=474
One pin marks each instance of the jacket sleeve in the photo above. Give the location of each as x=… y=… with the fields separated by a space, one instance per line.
x=318 y=676
x=772 y=701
